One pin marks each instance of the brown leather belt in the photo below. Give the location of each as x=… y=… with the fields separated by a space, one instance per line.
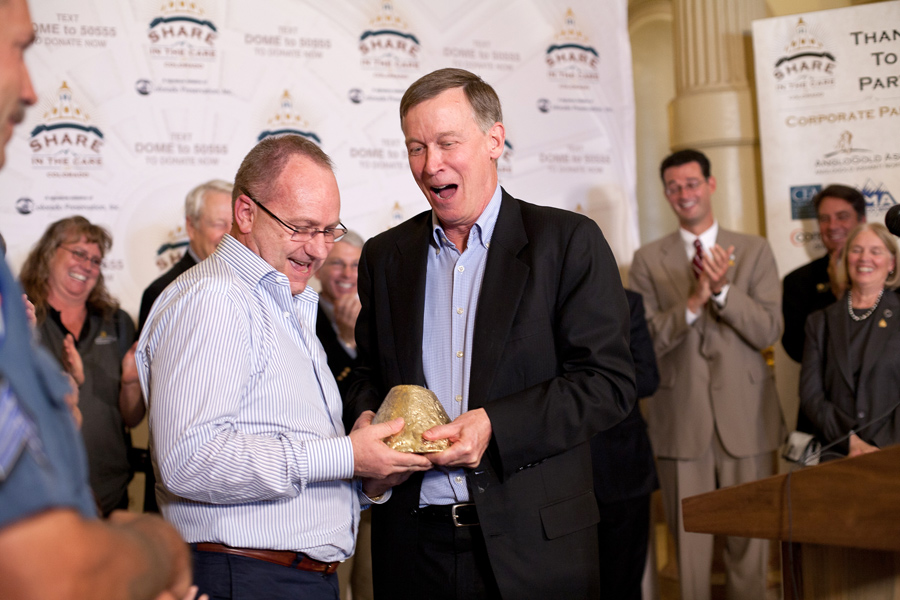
x=295 y=560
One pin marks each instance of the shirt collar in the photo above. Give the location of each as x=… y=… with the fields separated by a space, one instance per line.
x=190 y=250
x=483 y=229
x=707 y=238
x=251 y=267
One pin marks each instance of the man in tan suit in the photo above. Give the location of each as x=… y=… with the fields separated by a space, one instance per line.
x=713 y=304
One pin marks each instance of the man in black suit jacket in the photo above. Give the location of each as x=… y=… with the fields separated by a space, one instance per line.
x=207 y=218
x=514 y=314
x=625 y=475
x=839 y=209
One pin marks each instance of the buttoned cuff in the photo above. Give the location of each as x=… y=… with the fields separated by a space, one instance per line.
x=366 y=502
x=348 y=348
x=690 y=317
x=721 y=297
x=328 y=459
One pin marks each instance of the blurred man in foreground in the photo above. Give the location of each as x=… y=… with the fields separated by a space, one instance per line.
x=51 y=543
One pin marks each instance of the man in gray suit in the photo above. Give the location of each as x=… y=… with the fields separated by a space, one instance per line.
x=713 y=304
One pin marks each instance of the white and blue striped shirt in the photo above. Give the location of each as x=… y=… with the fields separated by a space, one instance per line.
x=245 y=416
x=452 y=287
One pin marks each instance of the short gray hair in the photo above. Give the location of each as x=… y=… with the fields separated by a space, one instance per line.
x=352 y=238
x=196 y=198
x=482 y=98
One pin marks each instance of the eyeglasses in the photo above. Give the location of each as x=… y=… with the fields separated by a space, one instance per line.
x=304 y=234
x=83 y=257
x=691 y=186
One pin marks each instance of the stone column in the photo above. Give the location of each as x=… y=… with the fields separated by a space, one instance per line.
x=714 y=109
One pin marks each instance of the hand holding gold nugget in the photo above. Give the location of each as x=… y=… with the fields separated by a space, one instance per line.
x=421 y=410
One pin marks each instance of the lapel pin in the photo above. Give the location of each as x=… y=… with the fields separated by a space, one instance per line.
x=882 y=323
x=887 y=313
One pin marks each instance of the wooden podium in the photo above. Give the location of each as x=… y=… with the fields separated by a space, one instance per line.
x=839 y=524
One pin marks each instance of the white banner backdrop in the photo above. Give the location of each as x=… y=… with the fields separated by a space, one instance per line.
x=828 y=85
x=828 y=90
x=141 y=100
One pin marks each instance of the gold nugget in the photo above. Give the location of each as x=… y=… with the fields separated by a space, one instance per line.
x=421 y=410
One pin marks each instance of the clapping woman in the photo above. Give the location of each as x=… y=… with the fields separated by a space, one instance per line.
x=83 y=326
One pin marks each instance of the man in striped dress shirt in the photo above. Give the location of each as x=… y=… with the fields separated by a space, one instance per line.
x=253 y=464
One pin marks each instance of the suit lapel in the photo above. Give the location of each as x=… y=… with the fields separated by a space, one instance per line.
x=405 y=278
x=839 y=332
x=885 y=314
x=505 y=276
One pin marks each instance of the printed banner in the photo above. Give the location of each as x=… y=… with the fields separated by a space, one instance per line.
x=141 y=100
x=828 y=85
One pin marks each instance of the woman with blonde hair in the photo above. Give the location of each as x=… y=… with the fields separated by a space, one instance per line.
x=84 y=328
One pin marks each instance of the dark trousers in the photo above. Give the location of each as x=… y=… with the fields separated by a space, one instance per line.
x=452 y=564
x=229 y=577
x=624 y=531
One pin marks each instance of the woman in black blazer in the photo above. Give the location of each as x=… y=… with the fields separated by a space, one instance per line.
x=850 y=378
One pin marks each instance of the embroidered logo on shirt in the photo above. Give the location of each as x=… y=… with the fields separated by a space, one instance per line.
x=105 y=338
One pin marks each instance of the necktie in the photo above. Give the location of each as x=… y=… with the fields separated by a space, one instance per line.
x=697 y=263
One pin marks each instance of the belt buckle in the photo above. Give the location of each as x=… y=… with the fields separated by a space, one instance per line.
x=455 y=517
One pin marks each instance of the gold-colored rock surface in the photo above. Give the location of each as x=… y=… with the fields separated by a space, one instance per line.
x=421 y=410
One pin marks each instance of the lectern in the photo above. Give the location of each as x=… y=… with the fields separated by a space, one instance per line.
x=839 y=524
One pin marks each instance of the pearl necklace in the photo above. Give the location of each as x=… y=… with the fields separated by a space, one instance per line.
x=868 y=313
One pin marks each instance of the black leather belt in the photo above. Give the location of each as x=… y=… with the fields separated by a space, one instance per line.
x=458 y=515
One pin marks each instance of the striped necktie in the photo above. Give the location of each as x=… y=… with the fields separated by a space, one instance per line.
x=697 y=263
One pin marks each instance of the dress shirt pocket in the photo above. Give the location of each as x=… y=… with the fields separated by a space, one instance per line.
x=570 y=515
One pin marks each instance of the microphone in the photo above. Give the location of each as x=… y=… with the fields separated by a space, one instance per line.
x=892 y=220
